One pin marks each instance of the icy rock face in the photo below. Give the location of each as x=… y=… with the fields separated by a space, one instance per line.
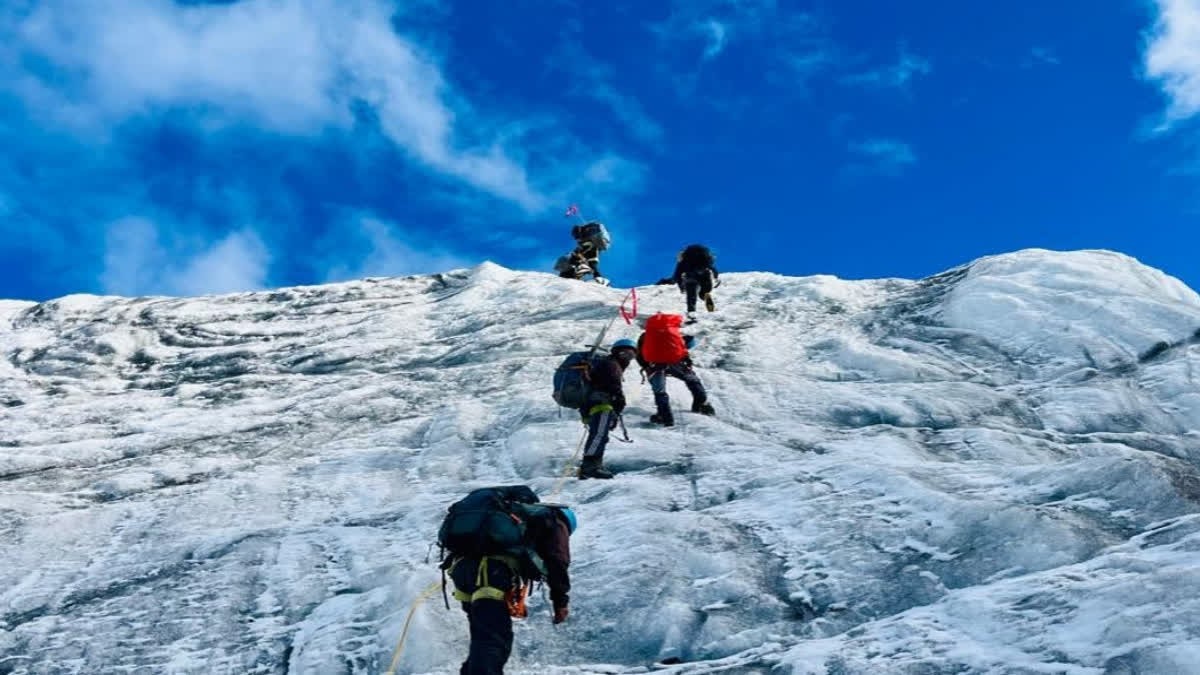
x=992 y=470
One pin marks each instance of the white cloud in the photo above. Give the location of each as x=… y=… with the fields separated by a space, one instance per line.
x=236 y=263
x=793 y=46
x=288 y=66
x=132 y=257
x=142 y=259
x=716 y=38
x=591 y=78
x=614 y=170
x=1044 y=55
x=1172 y=57
x=896 y=75
x=804 y=66
x=882 y=156
x=379 y=249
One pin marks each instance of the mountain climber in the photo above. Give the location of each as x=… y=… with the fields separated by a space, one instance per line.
x=492 y=587
x=696 y=275
x=590 y=239
x=604 y=405
x=663 y=351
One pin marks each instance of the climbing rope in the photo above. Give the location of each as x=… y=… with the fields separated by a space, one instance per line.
x=425 y=595
x=570 y=466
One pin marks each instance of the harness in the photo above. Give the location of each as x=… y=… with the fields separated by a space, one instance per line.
x=483 y=589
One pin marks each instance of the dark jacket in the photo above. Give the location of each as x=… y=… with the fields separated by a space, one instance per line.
x=606 y=384
x=550 y=540
x=553 y=545
x=682 y=268
x=587 y=253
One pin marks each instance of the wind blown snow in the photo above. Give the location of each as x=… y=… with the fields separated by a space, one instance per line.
x=992 y=470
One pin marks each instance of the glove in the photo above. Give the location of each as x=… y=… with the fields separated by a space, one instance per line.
x=603 y=282
x=612 y=424
x=560 y=614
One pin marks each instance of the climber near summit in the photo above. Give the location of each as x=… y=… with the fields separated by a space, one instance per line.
x=696 y=276
x=590 y=239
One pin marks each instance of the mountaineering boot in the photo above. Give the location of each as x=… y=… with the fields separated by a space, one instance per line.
x=592 y=468
x=662 y=405
x=691 y=318
x=703 y=407
x=708 y=302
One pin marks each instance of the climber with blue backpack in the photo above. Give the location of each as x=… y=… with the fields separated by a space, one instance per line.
x=591 y=384
x=495 y=542
x=590 y=239
x=603 y=406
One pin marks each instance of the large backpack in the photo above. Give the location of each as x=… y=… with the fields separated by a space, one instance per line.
x=572 y=381
x=488 y=521
x=663 y=343
x=593 y=232
x=563 y=265
x=697 y=257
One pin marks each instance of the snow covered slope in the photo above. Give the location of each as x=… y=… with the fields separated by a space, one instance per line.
x=993 y=470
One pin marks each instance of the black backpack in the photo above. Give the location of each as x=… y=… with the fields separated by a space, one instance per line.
x=572 y=379
x=488 y=521
x=494 y=521
x=593 y=232
x=697 y=256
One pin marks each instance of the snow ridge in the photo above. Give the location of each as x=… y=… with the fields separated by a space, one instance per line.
x=992 y=470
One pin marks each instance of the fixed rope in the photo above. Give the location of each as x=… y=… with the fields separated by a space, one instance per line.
x=566 y=472
x=420 y=600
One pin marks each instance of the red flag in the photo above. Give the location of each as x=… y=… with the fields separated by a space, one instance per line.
x=630 y=314
x=572 y=210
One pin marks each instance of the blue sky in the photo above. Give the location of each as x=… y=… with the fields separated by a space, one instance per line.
x=168 y=147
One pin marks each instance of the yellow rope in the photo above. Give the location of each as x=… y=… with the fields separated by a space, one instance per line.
x=425 y=595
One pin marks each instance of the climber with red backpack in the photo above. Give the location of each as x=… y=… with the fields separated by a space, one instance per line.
x=663 y=352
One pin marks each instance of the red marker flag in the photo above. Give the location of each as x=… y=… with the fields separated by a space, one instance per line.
x=629 y=314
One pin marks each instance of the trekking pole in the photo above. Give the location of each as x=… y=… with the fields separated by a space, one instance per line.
x=420 y=600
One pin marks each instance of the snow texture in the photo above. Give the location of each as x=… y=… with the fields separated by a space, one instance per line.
x=992 y=470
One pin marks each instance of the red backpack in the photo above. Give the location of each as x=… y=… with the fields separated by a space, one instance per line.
x=662 y=342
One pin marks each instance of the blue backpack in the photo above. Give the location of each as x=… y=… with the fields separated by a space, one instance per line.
x=572 y=379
